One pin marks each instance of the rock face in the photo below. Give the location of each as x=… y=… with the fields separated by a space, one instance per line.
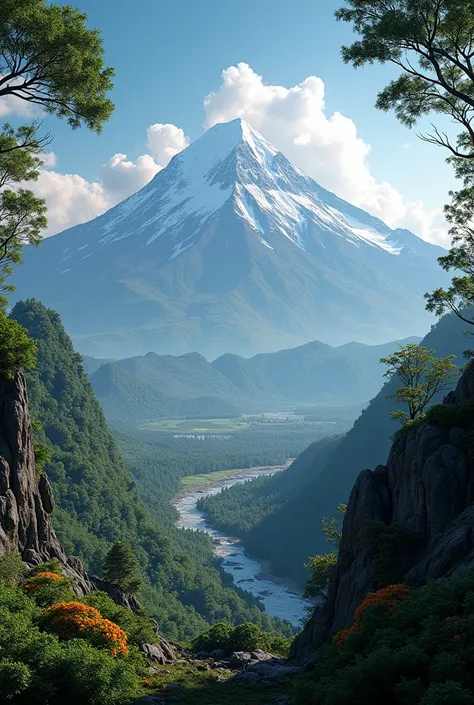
x=427 y=487
x=26 y=504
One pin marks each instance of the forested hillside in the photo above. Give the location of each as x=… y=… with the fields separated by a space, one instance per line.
x=153 y=386
x=289 y=533
x=98 y=503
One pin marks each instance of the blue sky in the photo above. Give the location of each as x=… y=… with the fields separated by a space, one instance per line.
x=168 y=56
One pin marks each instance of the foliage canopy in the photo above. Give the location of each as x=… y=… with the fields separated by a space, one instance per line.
x=422 y=374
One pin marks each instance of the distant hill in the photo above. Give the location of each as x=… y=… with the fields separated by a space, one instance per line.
x=126 y=395
x=152 y=386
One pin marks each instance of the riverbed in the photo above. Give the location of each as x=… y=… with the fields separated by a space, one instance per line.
x=279 y=597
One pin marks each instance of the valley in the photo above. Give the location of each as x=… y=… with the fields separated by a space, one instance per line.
x=279 y=598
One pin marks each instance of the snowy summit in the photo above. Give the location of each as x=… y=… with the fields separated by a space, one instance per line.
x=231 y=247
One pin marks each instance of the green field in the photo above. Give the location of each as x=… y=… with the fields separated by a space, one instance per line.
x=225 y=426
x=191 y=481
x=199 y=426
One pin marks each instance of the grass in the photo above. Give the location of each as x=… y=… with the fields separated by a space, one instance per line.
x=191 y=481
x=195 y=685
x=198 y=426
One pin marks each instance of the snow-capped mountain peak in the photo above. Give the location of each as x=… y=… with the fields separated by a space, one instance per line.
x=232 y=162
x=231 y=247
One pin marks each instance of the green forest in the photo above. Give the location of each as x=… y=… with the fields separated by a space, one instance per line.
x=99 y=502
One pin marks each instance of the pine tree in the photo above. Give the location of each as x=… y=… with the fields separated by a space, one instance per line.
x=120 y=567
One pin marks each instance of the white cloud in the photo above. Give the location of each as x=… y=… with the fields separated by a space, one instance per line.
x=72 y=199
x=324 y=146
x=49 y=160
x=164 y=141
x=121 y=177
x=295 y=120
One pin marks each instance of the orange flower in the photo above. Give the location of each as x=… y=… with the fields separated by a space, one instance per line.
x=388 y=596
x=75 y=620
x=36 y=581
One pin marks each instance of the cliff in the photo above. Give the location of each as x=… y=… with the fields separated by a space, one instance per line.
x=424 y=492
x=26 y=503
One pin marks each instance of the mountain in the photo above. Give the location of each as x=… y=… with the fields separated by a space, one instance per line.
x=291 y=534
x=125 y=396
x=231 y=247
x=152 y=386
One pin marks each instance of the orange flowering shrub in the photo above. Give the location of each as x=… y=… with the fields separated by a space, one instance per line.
x=37 y=580
x=71 y=620
x=387 y=596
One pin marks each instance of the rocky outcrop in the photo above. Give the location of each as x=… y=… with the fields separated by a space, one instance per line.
x=26 y=503
x=427 y=487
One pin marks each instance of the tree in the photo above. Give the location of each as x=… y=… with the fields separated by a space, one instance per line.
x=422 y=375
x=331 y=526
x=432 y=42
x=17 y=350
x=120 y=567
x=48 y=58
x=320 y=567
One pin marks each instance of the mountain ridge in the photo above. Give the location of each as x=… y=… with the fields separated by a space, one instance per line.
x=153 y=385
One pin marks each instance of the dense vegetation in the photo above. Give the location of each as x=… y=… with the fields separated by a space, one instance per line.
x=99 y=504
x=407 y=647
x=58 y=650
x=244 y=637
x=240 y=508
x=158 y=460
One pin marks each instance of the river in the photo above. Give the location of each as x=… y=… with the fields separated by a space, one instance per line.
x=279 y=597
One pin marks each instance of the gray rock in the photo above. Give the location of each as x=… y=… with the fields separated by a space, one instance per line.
x=248 y=677
x=218 y=654
x=154 y=652
x=239 y=659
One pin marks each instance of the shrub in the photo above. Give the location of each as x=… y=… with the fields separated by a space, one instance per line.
x=247 y=637
x=244 y=637
x=15 y=677
x=217 y=637
x=415 y=651
x=46 y=588
x=395 y=547
x=71 y=620
x=12 y=568
x=17 y=350
x=138 y=628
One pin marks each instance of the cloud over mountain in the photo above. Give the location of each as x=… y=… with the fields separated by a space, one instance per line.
x=296 y=120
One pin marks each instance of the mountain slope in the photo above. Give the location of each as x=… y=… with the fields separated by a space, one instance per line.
x=97 y=501
x=231 y=248
x=293 y=533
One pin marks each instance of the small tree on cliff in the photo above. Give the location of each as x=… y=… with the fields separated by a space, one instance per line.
x=320 y=566
x=51 y=59
x=120 y=567
x=422 y=375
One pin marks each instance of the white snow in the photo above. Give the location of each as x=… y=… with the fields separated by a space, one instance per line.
x=230 y=161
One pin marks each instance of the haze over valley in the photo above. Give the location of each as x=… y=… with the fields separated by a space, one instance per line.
x=236 y=364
